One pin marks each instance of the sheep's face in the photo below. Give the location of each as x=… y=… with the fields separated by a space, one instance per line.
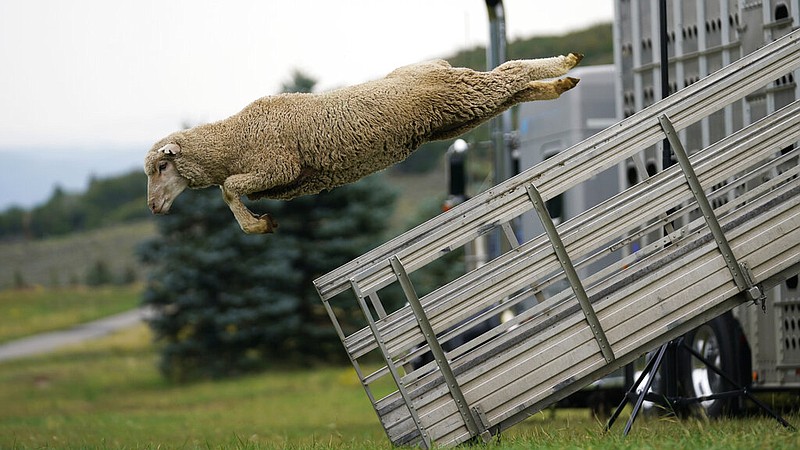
x=164 y=183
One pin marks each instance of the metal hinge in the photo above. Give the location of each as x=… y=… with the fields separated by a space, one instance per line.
x=483 y=422
x=754 y=291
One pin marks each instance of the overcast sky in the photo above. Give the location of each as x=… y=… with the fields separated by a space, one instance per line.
x=87 y=73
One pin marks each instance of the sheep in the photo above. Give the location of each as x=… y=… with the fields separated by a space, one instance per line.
x=289 y=145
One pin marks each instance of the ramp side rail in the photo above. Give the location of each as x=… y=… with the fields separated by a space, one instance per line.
x=734 y=231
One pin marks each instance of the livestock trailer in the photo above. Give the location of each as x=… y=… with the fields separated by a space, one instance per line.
x=759 y=348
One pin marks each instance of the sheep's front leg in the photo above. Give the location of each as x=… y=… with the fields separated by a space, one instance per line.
x=279 y=170
x=235 y=186
x=249 y=222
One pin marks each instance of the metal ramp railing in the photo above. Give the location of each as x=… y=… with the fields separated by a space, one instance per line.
x=734 y=231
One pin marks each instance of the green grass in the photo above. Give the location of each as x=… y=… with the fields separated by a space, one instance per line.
x=666 y=433
x=108 y=394
x=30 y=311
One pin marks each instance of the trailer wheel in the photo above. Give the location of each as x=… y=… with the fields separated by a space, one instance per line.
x=719 y=341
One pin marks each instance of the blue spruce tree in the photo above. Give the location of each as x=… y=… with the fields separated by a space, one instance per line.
x=227 y=302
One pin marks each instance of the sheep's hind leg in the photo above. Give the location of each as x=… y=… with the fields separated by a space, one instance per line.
x=545 y=90
x=525 y=70
x=534 y=90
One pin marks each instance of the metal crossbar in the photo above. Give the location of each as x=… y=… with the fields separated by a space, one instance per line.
x=392 y=368
x=571 y=273
x=436 y=348
x=739 y=270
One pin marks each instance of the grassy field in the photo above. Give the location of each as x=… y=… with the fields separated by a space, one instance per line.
x=36 y=310
x=108 y=394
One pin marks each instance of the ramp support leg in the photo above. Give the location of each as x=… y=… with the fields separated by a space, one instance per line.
x=437 y=351
x=740 y=390
x=571 y=273
x=739 y=271
x=426 y=440
x=649 y=372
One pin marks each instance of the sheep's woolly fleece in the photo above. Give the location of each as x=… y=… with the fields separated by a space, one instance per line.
x=289 y=145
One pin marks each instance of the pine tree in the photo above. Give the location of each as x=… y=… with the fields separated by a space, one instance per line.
x=229 y=303
x=98 y=274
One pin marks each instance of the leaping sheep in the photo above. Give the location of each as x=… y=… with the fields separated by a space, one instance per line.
x=289 y=145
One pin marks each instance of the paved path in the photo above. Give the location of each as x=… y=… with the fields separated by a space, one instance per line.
x=47 y=342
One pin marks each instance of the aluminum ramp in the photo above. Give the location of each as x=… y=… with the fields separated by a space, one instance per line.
x=743 y=236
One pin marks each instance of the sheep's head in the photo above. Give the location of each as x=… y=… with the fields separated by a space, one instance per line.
x=164 y=182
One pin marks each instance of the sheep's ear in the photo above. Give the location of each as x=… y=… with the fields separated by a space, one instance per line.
x=170 y=149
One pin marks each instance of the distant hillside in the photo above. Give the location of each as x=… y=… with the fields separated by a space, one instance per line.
x=29 y=176
x=69 y=260
x=596 y=43
x=106 y=201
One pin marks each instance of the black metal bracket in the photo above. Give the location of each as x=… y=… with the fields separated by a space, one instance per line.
x=670 y=402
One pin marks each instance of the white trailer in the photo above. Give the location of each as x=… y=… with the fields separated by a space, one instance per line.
x=716 y=256
x=759 y=350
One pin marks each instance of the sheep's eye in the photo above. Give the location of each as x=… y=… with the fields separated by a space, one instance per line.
x=162 y=165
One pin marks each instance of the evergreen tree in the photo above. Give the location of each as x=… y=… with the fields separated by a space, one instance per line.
x=98 y=274
x=228 y=302
x=300 y=82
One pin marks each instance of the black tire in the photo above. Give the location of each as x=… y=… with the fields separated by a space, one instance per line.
x=721 y=342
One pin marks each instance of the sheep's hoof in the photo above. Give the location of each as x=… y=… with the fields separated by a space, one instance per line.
x=574 y=59
x=566 y=84
x=272 y=224
x=262 y=224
